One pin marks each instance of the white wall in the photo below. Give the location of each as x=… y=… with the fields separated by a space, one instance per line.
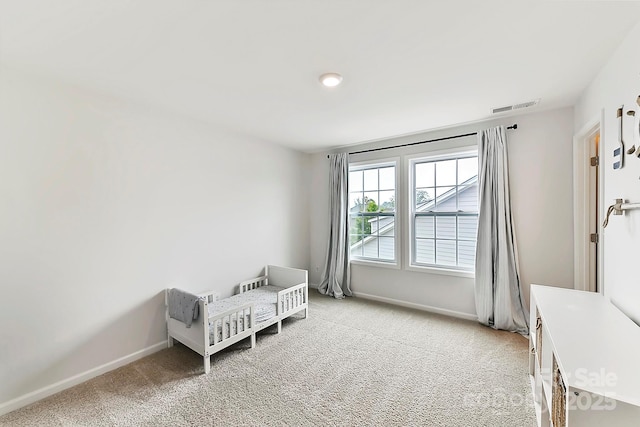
x=618 y=83
x=541 y=190
x=104 y=205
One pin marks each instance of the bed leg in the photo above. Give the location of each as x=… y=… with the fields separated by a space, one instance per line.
x=169 y=341
x=207 y=364
x=279 y=326
x=306 y=312
x=253 y=340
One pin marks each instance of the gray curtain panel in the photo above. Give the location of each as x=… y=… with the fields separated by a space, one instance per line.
x=336 y=277
x=499 y=302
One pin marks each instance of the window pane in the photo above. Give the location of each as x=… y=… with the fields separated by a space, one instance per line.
x=386 y=226
x=387 y=201
x=425 y=175
x=371 y=201
x=356 y=245
x=467 y=227
x=446 y=227
x=355 y=181
x=370 y=179
x=387 y=248
x=387 y=178
x=446 y=172
x=370 y=249
x=446 y=252
x=424 y=226
x=375 y=223
x=355 y=202
x=356 y=225
x=446 y=199
x=366 y=225
x=468 y=197
x=423 y=196
x=466 y=254
x=467 y=169
x=425 y=252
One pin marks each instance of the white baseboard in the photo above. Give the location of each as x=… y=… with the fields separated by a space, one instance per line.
x=444 y=311
x=313 y=285
x=47 y=391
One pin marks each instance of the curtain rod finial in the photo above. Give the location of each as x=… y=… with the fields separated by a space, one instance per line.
x=514 y=126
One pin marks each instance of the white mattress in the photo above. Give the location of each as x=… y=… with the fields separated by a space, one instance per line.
x=264 y=299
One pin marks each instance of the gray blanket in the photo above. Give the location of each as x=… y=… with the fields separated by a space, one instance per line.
x=183 y=306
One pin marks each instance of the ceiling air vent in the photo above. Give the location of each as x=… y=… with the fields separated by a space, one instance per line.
x=515 y=106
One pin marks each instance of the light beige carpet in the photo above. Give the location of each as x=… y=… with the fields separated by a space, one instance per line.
x=352 y=362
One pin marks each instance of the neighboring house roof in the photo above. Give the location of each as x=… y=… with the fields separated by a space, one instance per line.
x=425 y=207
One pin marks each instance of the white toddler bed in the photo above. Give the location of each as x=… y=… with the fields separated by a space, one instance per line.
x=260 y=302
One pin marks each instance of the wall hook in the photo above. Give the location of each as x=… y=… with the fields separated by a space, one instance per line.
x=618 y=208
x=618 y=153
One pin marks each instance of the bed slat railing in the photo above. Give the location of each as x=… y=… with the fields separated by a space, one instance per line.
x=248 y=285
x=230 y=324
x=292 y=298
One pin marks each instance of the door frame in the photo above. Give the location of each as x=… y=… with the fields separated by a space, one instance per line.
x=581 y=226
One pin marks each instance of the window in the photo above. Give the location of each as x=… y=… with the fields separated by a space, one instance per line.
x=444 y=211
x=372 y=217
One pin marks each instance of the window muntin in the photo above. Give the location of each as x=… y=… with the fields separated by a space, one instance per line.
x=372 y=212
x=444 y=211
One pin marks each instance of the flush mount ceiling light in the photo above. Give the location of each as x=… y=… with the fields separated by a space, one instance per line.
x=330 y=79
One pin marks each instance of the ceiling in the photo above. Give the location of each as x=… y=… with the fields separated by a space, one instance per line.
x=252 y=66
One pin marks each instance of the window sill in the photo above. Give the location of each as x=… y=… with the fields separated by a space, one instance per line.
x=442 y=271
x=371 y=263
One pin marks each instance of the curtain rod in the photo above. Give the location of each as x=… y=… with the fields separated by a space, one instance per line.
x=514 y=126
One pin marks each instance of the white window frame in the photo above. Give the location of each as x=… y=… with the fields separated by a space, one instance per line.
x=448 y=154
x=397 y=236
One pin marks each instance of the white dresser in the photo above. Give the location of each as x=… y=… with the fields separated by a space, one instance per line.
x=584 y=360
